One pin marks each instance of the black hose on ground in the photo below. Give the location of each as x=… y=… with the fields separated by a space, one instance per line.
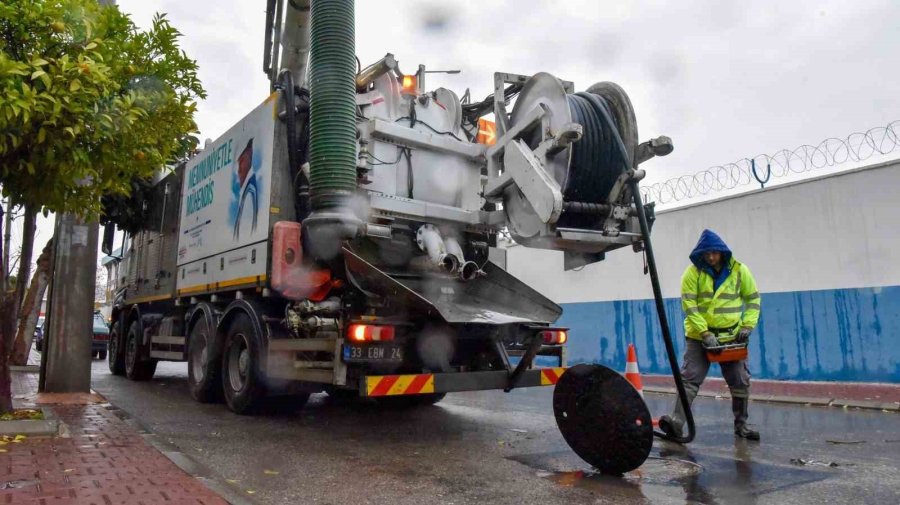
x=600 y=126
x=663 y=321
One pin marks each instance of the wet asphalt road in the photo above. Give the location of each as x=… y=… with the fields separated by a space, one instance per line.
x=496 y=448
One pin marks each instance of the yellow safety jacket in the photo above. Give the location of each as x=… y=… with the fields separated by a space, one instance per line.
x=733 y=306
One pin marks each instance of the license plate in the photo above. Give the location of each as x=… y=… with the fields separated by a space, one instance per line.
x=373 y=352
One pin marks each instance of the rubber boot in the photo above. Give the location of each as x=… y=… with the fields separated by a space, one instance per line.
x=740 y=403
x=673 y=425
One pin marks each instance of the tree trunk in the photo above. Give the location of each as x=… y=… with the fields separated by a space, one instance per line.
x=3 y=246
x=31 y=306
x=9 y=309
x=6 y=405
x=7 y=327
x=7 y=331
x=25 y=258
x=7 y=235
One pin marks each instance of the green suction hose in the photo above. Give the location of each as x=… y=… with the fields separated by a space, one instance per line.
x=332 y=79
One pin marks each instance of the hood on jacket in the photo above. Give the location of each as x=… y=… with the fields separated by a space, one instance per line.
x=710 y=242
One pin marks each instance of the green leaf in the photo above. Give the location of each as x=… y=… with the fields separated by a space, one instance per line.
x=74 y=102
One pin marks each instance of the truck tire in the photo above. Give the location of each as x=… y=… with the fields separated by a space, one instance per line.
x=204 y=363
x=137 y=368
x=101 y=355
x=242 y=379
x=116 y=350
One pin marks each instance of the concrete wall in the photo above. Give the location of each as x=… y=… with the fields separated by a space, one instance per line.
x=824 y=252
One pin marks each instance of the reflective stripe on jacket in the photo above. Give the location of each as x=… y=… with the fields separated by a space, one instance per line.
x=735 y=304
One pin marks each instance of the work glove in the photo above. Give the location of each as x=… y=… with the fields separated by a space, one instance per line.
x=710 y=340
x=744 y=335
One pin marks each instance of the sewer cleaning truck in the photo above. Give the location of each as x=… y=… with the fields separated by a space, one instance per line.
x=339 y=238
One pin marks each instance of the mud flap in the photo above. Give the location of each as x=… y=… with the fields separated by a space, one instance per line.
x=603 y=418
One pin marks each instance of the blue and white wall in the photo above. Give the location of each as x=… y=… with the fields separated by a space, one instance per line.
x=825 y=253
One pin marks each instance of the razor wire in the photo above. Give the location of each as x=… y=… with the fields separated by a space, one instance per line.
x=856 y=147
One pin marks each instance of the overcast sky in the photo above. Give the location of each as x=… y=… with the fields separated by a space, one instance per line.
x=726 y=80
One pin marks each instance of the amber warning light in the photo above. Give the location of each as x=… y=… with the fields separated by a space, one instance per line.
x=409 y=85
x=487 y=132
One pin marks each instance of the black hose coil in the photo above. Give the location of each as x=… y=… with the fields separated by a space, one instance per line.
x=596 y=161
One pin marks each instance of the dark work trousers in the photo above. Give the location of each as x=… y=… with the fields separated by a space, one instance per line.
x=694 y=369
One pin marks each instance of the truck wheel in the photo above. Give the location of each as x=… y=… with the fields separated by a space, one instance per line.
x=242 y=380
x=101 y=354
x=410 y=401
x=136 y=367
x=114 y=346
x=203 y=364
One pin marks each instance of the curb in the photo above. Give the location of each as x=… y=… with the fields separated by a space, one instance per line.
x=185 y=462
x=795 y=400
x=46 y=427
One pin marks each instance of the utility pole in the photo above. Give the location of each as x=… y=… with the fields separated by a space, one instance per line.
x=67 y=356
x=66 y=360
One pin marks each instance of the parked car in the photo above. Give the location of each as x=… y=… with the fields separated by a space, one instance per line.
x=99 y=339
x=101 y=336
x=39 y=334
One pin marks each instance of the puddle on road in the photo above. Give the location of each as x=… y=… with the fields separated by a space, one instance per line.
x=671 y=478
x=655 y=470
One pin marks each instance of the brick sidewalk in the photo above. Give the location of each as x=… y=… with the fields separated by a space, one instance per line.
x=103 y=461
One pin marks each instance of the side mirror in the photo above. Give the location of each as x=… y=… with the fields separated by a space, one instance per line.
x=109 y=234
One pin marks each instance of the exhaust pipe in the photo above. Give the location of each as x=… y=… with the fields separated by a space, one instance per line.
x=469 y=271
x=429 y=240
x=446 y=253
x=449 y=263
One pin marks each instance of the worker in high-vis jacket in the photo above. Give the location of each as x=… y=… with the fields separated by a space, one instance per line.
x=721 y=306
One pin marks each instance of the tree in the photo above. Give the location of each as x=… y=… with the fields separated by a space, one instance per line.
x=88 y=104
x=31 y=307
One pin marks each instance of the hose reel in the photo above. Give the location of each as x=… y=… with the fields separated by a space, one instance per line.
x=577 y=159
x=600 y=415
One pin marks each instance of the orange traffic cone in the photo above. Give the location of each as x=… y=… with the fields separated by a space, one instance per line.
x=631 y=370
